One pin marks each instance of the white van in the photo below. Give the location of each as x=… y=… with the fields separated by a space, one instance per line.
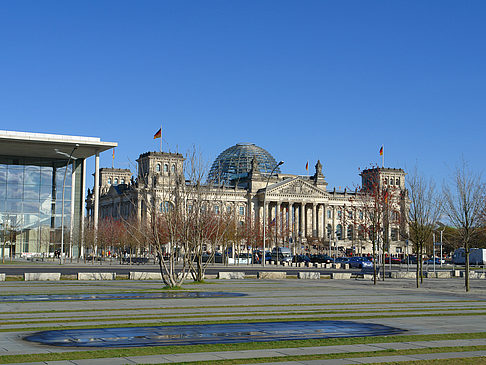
x=281 y=254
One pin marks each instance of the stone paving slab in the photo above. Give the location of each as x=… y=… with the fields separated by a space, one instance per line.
x=108 y=361
x=301 y=351
x=383 y=359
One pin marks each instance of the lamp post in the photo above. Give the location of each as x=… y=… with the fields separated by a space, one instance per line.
x=62 y=207
x=265 y=209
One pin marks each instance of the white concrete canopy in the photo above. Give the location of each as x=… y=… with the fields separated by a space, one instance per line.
x=50 y=145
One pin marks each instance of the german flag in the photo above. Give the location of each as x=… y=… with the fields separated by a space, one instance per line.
x=158 y=134
x=381 y=151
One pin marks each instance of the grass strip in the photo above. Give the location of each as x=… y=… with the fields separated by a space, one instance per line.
x=149 y=316
x=242 y=306
x=161 y=350
x=342 y=318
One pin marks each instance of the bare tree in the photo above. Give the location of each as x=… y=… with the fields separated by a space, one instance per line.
x=464 y=203
x=380 y=203
x=424 y=212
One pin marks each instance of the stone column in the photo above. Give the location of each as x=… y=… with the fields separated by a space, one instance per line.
x=302 y=219
x=314 y=220
x=290 y=222
x=278 y=226
x=324 y=229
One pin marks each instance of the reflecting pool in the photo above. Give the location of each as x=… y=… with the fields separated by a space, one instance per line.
x=209 y=333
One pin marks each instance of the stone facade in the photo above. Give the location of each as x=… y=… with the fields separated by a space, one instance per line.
x=300 y=212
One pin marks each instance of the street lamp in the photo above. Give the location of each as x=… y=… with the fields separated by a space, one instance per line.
x=265 y=208
x=62 y=207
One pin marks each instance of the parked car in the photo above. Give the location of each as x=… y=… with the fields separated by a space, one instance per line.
x=301 y=258
x=342 y=260
x=394 y=260
x=321 y=259
x=431 y=261
x=360 y=262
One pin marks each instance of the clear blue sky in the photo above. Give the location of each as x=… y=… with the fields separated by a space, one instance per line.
x=306 y=80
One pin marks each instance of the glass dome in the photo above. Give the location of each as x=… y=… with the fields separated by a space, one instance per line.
x=235 y=163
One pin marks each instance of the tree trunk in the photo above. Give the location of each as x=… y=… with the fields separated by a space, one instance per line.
x=420 y=261
x=374 y=262
x=417 y=268
x=383 y=260
x=466 y=269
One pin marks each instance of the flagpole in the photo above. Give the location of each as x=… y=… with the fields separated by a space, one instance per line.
x=161 y=137
x=383 y=158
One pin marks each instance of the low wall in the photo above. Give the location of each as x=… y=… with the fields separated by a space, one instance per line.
x=278 y=275
x=403 y=275
x=144 y=275
x=309 y=275
x=42 y=276
x=440 y=274
x=341 y=275
x=96 y=276
x=231 y=275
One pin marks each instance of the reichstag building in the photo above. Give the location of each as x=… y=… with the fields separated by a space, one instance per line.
x=301 y=213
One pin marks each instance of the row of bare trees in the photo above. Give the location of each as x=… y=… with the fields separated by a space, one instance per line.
x=461 y=204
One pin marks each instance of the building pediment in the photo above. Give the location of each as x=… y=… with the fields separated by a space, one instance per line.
x=297 y=188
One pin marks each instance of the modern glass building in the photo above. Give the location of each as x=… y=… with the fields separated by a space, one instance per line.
x=42 y=183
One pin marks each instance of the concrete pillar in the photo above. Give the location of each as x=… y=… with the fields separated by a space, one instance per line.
x=96 y=198
x=83 y=212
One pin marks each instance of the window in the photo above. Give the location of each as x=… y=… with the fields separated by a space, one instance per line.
x=189 y=208
x=157 y=168
x=394 y=234
x=228 y=209
x=361 y=232
x=339 y=232
x=172 y=168
x=329 y=231
x=242 y=210
x=397 y=181
x=165 y=207
x=350 y=214
x=360 y=214
x=329 y=214
x=115 y=181
x=109 y=181
x=391 y=181
x=166 y=168
x=350 y=232
x=339 y=214
x=216 y=209
x=371 y=233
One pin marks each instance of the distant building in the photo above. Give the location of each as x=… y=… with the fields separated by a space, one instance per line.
x=301 y=212
x=34 y=182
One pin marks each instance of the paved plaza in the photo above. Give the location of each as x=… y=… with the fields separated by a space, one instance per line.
x=440 y=307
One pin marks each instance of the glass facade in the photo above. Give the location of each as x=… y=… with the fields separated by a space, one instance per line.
x=31 y=196
x=235 y=163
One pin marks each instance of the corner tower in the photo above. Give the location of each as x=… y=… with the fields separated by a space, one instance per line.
x=160 y=167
